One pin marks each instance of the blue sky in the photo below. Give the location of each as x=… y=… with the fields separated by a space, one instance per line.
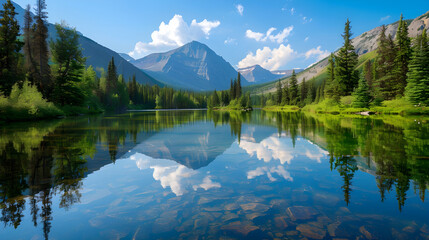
x=242 y=32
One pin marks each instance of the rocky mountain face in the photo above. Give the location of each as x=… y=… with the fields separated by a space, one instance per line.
x=193 y=66
x=97 y=55
x=126 y=57
x=258 y=74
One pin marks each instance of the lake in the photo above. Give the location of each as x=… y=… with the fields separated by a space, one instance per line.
x=215 y=175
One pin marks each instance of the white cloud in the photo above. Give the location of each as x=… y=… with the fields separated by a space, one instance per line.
x=292 y=11
x=307 y=20
x=230 y=41
x=317 y=53
x=261 y=37
x=174 y=34
x=384 y=18
x=271 y=59
x=240 y=9
x=306 y=39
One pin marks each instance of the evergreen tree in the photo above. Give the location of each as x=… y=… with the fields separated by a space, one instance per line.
x=68 y=68
x=384 y=66
x=30 y=65
x=293 y=89
x=238 y=88
x=361 y=94
x=40 y=49
x=112 y=78
x=402 y=58
x=418 y=76
x=345 y=63
x=279 y=92
x=285 y=95
x=215 y=99
x=232 y=90
x=303 y=94
x=331 y=76
x=9 y=48
x=309 y=98
x=317 y=99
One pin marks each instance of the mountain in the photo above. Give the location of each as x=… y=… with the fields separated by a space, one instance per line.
x=126 y=57
x=258 y=74
x=193 y=66
x=97 y=55
x=365 y=44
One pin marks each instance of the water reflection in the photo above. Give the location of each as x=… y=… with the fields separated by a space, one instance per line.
x=212 y=155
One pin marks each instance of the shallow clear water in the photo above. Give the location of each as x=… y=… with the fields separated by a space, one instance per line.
x=212 y=175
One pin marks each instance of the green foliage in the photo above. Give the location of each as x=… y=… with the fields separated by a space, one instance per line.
x=417 y=90
x=26 y=103
x=68 y=67
x=293 y=89
x=10 y=47
x=279 y=92
x=345 y=63
x=384 y=67
x=402 y=58
x=361 y=95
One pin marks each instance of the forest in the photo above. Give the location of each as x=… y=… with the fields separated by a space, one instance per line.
x=396 y=74
x=44 y=78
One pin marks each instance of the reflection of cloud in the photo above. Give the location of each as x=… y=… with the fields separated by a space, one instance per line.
x=268 y=171
x=173 y=175
x=270 y=148
x=274 y=148
x=207 y=184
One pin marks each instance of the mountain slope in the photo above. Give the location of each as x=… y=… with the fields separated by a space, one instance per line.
x=257 y=74
x=364 y=44
x=97 y=55
x=193 y=66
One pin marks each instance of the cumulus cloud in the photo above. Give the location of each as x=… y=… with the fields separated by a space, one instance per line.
x=240 y=9
x=317 y=53
x=173 y=34
x=261 y=37
x=271 y=59
x=207 y=184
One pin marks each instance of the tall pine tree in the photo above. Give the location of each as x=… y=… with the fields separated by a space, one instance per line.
x=345 y=64
x=9 y=48
x=279 y=93
x=40 y=49
x=293 y=89
x=329 y=91
x=361 y=94
x=417 y=90
x=402 y=58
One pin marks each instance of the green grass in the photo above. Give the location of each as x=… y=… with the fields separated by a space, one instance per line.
x=286 y=108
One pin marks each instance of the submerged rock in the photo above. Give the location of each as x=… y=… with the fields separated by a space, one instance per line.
x=240 y=228
x=256 y=207
x=280 y=222
x=311 y=231
x=301 y=213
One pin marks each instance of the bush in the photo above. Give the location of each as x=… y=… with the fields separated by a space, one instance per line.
x=26 y=103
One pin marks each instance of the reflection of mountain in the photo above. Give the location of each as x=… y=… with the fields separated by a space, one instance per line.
x=194 y=146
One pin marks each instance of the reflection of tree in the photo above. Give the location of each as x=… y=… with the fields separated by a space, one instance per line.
x=12 y=185
x=346 y=166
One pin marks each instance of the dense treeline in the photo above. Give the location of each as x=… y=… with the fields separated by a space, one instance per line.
x=43 y=77
x=400 y=69
x=232 y=98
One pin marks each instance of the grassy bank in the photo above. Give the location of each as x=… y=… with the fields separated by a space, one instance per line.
x=286 y=108
x=393 y=107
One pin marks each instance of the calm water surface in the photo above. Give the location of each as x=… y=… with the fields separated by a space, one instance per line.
x=211 y=175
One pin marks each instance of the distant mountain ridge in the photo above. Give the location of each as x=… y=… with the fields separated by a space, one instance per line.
x=257 y=74
x=193 y=66
x=97 y=55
